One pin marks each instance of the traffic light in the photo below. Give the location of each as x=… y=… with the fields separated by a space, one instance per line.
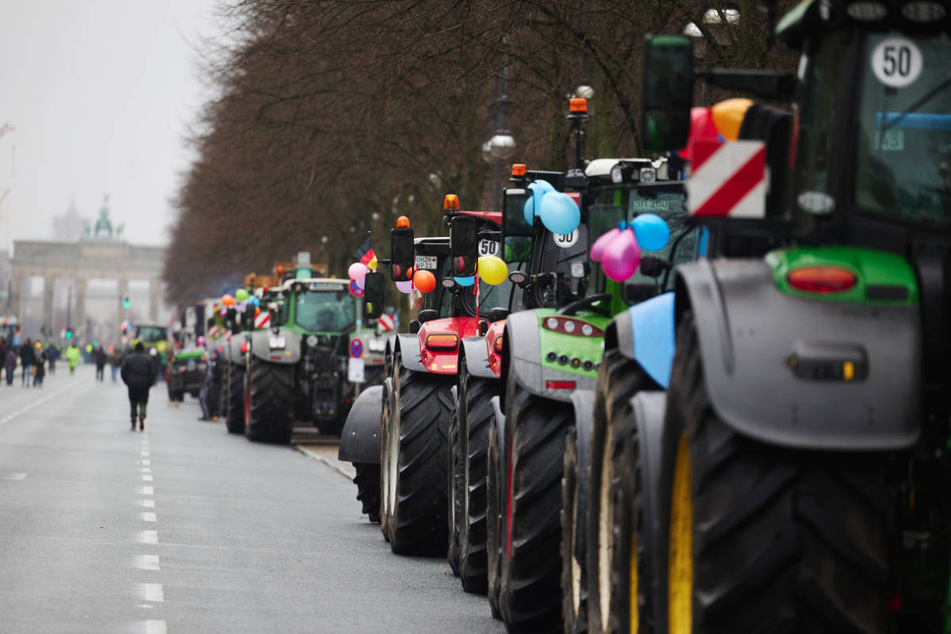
x=126 y=302
x=69 y=333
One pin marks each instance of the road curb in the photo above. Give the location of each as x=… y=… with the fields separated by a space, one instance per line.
x=328 y=455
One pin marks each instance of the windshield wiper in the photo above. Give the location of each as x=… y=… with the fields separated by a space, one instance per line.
x=921 y=101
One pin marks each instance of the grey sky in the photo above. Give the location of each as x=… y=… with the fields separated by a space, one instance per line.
x=100 y=93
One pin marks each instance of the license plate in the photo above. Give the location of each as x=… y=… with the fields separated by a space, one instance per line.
x=426 y=262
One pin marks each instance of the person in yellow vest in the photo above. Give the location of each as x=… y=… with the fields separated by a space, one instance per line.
x=72 y=357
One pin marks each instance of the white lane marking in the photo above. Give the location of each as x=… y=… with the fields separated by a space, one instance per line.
x=23 y=410
x=155 y=627
x=12 y=476
x=146 y=469
x=152 y=592
x=147 y=562
x=146 y=478
x=145 y=454
x=149 y=504
x=147 y=490
x=146 y=463
x=149 y=537
x=149 y=517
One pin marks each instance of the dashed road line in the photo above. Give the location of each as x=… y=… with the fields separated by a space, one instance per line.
x=147 y=562
x=149 y=537
x=149 y=504
x=35 y=404
x=155 y=627
x=149 y=517
x=146 y=477
x=152 y=592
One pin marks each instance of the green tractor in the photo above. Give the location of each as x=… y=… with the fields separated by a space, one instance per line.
x=794 y=475
x=297 y=366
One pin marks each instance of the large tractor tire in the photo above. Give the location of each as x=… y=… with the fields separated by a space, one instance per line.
x=367 y=480
x=454 y=488
x=530 y=588
x=763 y=538
x=573 y=588
x=387 y=488
x=270 y=404
x=619 y=379
x=493 y=506
x=235 y=393
x=475 y=410
x=415 y=453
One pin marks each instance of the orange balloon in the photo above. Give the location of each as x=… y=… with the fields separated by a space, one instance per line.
x=402 y=222
x=728 y=117
x=424 y=281
x=227 y=300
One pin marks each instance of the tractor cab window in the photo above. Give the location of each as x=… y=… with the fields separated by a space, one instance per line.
x=150 y=333
x=903 y=135
x=561 y=266
x=489 y=296
x=325 y=311
x=671 y=205
x=438 y=299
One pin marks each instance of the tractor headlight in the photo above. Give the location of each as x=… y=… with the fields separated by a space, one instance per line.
x=276 y=342
x=376 y=345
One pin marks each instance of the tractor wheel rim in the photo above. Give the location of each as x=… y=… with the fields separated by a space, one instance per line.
x=575 y=564
x=680 y=558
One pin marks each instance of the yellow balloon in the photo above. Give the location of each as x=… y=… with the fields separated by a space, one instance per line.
x=492 y=270
x=728 y=117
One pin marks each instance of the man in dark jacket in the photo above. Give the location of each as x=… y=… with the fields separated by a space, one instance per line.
x=27 y=359
x=139 y=374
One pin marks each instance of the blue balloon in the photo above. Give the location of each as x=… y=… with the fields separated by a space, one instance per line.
x=560 y=213
x=533 y=204
x=468 y=280
x=651 y=231
x=254 y=300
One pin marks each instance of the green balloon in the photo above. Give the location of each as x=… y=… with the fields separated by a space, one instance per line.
x=241 y=295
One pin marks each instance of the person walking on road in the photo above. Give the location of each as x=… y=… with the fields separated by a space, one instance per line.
x=99 y=355
x=27 y=360
x=39 y=370
x=208 y=396
x=52 y=354
x=115 y=362
x=72 y=357
x=138 y=374
x=10 y=364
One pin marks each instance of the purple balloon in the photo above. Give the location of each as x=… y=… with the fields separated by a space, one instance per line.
x=597 y=249
x=621 y=257
x=405 y=287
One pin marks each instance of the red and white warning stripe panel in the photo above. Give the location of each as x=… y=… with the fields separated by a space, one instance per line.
x=386 y=322
x=213 y=332
x=727 y=179
x=262 y=319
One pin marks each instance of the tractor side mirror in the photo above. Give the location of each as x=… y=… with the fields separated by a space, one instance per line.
x=516 y=230
x=464 y=246
x=373 y=296
x=402 y=256
x=667 y=92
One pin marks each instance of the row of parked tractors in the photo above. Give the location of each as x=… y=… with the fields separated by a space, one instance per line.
x=717 y=403
x=286 y=344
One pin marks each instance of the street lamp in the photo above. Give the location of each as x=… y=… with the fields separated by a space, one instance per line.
x=501 y=146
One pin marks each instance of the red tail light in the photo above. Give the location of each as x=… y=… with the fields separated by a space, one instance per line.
x=498 y=344
x=822 y=279
x=559 y=385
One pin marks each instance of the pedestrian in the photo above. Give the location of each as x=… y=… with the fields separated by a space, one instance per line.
x=27 y=359
x=99 y=355
x=10 y=364
x=208 y=395
x=52 y=353
x=72 y=357
x=115 y=362
x=39 y=370
x=138 y=374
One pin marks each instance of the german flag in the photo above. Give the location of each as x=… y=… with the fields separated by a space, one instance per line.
x=365 y=254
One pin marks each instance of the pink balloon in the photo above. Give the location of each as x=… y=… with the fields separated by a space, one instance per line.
x=358 y=271
x=405 y=287
x=597 y=249
x=621 y=258
x=701 y=127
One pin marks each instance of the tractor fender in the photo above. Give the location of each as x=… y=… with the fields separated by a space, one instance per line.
x=260 y=346
x=233 y=348
x=583 y=403
x=360 y=438
x=522 y=350
x=477 y=357
x=645 y=334
x=408 y=347
x=774 y=363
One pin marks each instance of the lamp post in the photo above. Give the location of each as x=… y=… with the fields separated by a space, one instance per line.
x=501 y=146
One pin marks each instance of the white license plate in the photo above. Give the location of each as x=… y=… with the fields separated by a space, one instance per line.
x=426 y=262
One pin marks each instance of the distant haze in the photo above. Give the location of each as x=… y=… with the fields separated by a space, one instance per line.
x=100 y=93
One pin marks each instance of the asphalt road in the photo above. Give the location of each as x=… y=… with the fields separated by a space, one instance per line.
x=183 y=528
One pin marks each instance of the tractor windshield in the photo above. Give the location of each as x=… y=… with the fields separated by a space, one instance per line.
x=325 y=311
x=670 y=203
x=903 y=153
x=150 y=333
